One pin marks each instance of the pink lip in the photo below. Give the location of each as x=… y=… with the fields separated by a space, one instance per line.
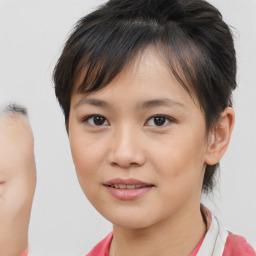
x=127 y=194
x=130 y=181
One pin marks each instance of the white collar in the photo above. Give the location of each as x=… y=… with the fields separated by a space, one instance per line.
x=215 y=238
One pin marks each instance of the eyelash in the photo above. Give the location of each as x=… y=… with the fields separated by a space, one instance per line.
x=87 y=119
x=166 y=119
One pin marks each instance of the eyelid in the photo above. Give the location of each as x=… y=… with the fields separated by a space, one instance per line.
x=87 y=118
x=168 y=118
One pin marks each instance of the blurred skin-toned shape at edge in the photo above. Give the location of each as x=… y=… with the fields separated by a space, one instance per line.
x=17 y=181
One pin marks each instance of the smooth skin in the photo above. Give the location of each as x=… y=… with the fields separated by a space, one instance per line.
x=144 y=125
x=17 y=183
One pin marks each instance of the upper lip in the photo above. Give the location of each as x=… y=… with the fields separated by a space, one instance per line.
x=130 y=181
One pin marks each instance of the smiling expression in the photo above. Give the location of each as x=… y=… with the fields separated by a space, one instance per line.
x=139 y=145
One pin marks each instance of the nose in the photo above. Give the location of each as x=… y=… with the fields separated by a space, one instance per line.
x=127 y=148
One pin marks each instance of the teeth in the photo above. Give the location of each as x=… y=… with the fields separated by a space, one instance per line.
x=123 y=186
x=138 y=186
x=130 y=186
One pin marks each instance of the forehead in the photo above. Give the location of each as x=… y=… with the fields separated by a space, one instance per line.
x=15 y=126
x=149 y=66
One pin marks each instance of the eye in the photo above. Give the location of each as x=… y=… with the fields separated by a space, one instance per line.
x=158 y=120
x=96 y=120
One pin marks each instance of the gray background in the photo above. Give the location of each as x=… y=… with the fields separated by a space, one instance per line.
x=32 y=33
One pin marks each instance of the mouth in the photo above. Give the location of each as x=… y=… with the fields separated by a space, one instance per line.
x=127 y=189
x=124 y=186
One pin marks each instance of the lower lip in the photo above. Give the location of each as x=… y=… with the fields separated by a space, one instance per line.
x=128 y=194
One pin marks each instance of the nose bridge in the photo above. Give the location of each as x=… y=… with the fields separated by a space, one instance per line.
x=126 y=147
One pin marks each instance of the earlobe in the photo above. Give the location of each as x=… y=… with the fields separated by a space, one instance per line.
x=220 y=137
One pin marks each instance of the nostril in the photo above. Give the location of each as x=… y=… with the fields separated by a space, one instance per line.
x=124 y=165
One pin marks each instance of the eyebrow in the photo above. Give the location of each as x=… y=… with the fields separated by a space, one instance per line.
x=93 y=102
x=147 y=104
x=160 y=102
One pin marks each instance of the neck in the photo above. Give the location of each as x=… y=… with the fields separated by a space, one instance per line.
x=176 y=236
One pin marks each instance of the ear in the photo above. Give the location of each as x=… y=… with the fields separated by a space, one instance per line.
x=220 y=136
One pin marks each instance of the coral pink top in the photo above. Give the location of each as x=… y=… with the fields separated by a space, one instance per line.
x=236 y=246
x=24 y=253
x=194 y=253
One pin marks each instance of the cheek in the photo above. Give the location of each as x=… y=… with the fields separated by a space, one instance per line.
x=18 y=191
x=180 y=157
x=16 y=202
x=87 y=156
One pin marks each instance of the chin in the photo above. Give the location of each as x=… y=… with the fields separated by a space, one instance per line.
x=130 y=220
x=132 y=225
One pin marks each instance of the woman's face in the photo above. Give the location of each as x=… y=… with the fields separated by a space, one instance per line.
x=139 y=145
x=17 y=183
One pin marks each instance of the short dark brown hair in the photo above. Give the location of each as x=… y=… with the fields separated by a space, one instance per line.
x=190 y=34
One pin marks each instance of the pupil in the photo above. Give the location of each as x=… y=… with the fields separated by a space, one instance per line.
x=159 y=120
x=98 y=120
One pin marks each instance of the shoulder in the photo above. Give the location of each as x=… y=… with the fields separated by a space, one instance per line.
x=102 y=248
x=237 y=246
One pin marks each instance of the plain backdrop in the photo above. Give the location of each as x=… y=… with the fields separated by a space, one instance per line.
x=63 y=223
